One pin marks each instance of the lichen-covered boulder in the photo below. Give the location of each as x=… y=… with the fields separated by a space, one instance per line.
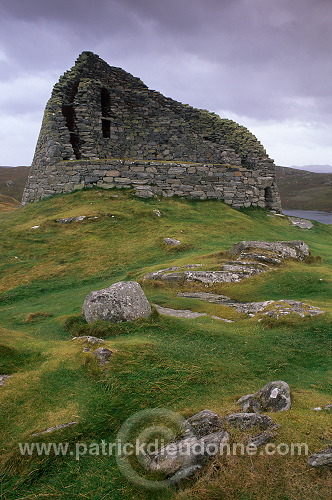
x=203 y=423
x=250 y=420
x=274 y=396
x=123 y=301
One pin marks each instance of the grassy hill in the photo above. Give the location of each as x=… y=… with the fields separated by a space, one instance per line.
x=303 y=190
x=12 y=182
x=48 y=268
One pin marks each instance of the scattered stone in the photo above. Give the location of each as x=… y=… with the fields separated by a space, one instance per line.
x=185 y=456
x=123 y=301
x=178 y=313
x=223 y=319
x=262 y=438
x=144 y=193
x=89 y=339
x=321 y=459
x=302 y=223
x=203 y=438
x=248 y=420
x=35 y=227
x=273 y=253
x=319 y=408
x=247 y=269
x=57 y=427
x=250 y=308
x=3 y=379
x=157 y=212
x=67 y=220
x=103 y=355
x=172 y=241
x=274 y=396
x=279 y=309
x=168 y=274
x=203 y=423
x=181 y=474
x=282 y=308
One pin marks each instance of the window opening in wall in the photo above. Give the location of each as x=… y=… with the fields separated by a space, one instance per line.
x=105 y=101
x=68 y=112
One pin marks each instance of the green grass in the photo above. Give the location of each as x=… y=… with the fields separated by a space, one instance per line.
x=183 y=365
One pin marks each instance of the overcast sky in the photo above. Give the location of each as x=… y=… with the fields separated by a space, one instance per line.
x=266 y=64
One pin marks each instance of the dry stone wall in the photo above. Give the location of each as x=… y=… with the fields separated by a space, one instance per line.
x=104 y=127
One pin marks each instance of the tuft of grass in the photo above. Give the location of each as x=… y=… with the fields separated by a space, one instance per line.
x=180 y=364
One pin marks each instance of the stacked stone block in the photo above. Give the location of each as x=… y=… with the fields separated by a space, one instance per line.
x=103 y=127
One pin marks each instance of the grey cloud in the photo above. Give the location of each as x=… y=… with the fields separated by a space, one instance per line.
x=267 y=60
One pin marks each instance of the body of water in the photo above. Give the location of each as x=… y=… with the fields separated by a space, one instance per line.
x=324 y=217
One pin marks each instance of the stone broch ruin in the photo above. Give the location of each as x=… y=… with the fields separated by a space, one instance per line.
x=103 y=127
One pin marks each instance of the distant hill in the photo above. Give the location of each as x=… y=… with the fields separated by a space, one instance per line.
x=304 y=190
x=318 y=169
x=12 y=182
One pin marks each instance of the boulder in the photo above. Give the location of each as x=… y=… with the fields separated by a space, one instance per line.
x=203 y=438
x=123 y=301
x=302 y=223
x=172 y=241
x=249 y=420
x=262 y=438
x=180 y=459
x=203 y=423
x=274 y=396
x=322 y=458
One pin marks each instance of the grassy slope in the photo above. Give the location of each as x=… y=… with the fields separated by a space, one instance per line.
x=18 y=175
x=183 y=365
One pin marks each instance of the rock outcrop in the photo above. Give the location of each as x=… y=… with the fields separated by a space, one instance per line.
x=270 y=252
x=123 y=301
x=274 y=396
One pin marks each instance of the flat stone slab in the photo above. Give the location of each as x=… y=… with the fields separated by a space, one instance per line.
x=282 y=308
x=302 y=223
x=208 y=297
x=179 y=313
